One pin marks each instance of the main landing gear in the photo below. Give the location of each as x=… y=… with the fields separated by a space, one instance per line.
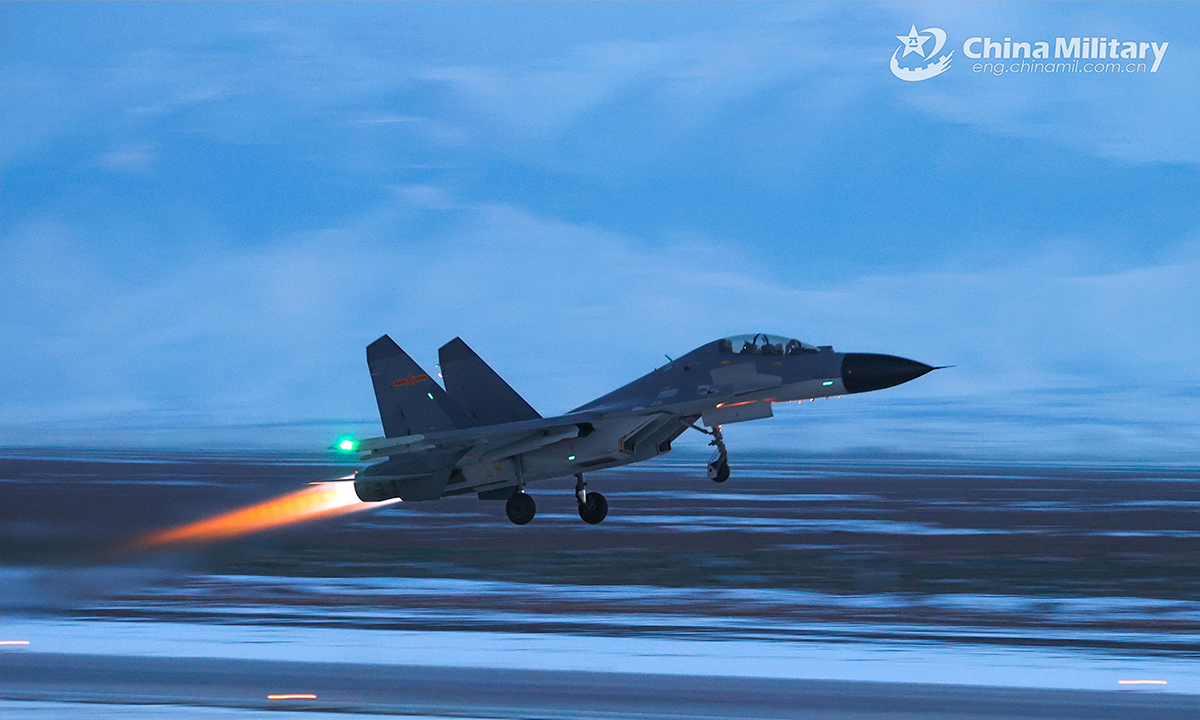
x=718 y=466
x=593 y=507
x=520 y=508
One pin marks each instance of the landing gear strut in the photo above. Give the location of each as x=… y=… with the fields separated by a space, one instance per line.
x=520 y=508
x=593 y=508
x=718 y=466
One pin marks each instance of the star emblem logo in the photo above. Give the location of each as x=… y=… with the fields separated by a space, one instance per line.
x=410 y=380
x=914 y=42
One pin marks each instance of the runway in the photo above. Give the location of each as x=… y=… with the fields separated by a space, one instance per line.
x=37 y=685
x=838 y=587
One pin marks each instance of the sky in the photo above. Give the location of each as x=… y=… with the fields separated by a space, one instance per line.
x=208 y=210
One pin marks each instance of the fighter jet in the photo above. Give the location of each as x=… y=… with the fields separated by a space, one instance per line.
x=477 y=435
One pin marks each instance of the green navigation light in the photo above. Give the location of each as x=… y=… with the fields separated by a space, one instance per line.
x=570 y=457
x=345 y=443
x=827 y=382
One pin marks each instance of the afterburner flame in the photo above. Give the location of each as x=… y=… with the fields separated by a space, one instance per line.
x=315 y=502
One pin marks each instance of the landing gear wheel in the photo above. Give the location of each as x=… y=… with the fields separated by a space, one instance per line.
x=718 y=467
x=718 y=471
x=520 y=508
x=593 y=509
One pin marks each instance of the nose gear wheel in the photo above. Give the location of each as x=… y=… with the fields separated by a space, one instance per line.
x=718 y=469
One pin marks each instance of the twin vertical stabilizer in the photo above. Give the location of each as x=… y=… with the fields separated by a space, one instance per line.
x=478 y=390
x=411 y=401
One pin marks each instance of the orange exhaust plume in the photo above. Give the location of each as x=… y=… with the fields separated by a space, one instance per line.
x=316 y=502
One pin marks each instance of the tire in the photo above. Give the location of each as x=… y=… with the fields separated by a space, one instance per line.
x=595 y=509
x=520 y=508
x=719 y=472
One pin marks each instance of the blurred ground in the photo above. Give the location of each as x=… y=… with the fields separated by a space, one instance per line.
x=1013 y=570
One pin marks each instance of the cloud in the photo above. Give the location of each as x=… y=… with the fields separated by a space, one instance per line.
x=574 y=208
x=680 y=84
x=685 y=77
x=130 y=158
x=1137 y=118
x=564 y=311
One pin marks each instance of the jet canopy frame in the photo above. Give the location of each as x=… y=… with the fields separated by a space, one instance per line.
x=764 y=344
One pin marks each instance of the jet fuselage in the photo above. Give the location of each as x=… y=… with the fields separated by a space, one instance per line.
x=725 y=381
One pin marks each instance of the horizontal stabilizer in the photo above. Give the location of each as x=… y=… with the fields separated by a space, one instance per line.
x=410 y=401
x=478 y=390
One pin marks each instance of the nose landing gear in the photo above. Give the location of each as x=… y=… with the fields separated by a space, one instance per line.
x=718 y=466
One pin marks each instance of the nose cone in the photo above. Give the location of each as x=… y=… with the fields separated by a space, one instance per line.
x=863 y=372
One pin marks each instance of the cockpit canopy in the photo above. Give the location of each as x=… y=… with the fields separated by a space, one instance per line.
x=763 y=344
